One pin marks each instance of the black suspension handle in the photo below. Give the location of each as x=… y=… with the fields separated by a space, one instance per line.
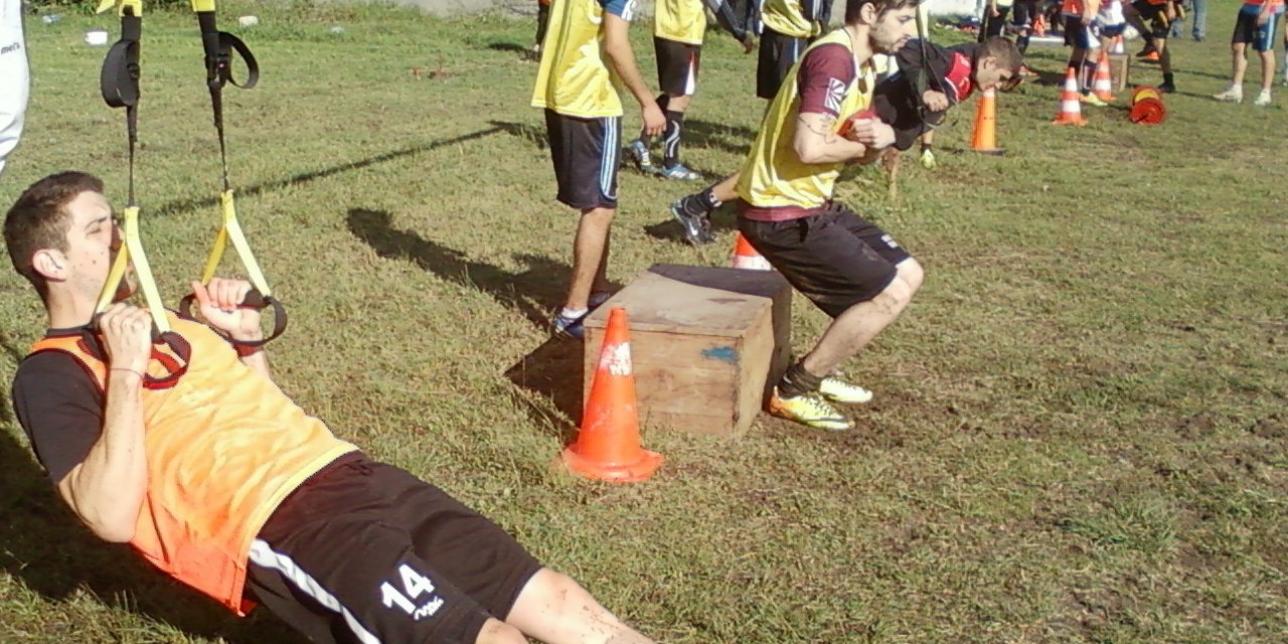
x=176 y=366
x=253 y=300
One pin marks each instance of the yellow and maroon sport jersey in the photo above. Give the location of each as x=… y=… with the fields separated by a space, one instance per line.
x=775 y=183
x=224 y=447
x=573 y=79
x=795 y=18
x=680 y=20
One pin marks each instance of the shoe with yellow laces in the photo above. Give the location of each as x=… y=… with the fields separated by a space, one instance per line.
x=809 y=409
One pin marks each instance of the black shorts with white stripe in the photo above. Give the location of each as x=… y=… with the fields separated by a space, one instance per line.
x=677 y=66
x=586 y=153
x=365 y=552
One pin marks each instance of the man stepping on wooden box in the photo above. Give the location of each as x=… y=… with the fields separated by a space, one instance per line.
x=849 y=267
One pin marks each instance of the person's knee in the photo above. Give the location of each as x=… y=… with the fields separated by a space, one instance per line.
x=894 y=297
x=600 y=215
x=912 y=274
x=496 y=631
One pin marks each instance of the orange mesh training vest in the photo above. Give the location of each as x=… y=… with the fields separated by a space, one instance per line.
x=224 y=447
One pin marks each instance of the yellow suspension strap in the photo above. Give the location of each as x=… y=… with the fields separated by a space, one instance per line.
x=119 y=82
x=219 y=48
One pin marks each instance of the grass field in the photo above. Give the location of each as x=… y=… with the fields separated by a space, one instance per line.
x=1080 y=431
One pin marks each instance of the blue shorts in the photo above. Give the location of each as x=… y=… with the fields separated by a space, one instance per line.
x=1111 y=31
x=1076 y=34
x=1246 y=29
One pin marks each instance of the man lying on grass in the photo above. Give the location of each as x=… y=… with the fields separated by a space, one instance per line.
x=225 y=484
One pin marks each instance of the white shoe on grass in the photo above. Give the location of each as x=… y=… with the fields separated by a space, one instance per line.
x=1263 y=99
x=1232 y=94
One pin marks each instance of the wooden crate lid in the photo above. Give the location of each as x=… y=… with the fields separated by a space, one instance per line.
x=696 y=300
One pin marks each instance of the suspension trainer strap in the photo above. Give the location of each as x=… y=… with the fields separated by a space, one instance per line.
x=220 y=48
x=119 y=84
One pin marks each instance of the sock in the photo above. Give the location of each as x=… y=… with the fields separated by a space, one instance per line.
x=1167 y=78
x=1088 y=73
x=671 y=139
x=1023 y=43
x=701 y=203
x=798 y=381
x=573 y=314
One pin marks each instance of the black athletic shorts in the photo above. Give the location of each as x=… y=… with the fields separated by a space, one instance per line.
x=1160 y=27
x=1022 y=13
x=586 y=155
x=677 y=66
x=778 y=53
x=835 y=258
x=1076 y=34
x=993 y=26
x=365 y=552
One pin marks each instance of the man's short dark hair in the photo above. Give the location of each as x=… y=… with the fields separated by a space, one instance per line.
x=1004 y=53
x=852 y=7
x=39 y=220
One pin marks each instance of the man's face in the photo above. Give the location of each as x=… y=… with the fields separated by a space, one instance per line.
x=989 y=76
x=893 y=29
x=92 y=243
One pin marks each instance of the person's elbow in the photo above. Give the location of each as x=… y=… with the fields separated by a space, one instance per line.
x=114 y=531
x=807 y=149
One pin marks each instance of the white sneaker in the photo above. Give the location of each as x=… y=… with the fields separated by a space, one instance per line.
x=1263 y=99
x=1233 y=94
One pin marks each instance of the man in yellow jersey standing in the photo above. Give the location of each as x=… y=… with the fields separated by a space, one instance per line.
x=587 y=48
x=850 y=268
x=222 y=482
x=678 y=28
x=788 y=27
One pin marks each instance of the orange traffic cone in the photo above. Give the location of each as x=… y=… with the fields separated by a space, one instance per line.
x=1039 y=26
x=984 y=138
x=1103 y=85
x=608 y=446
x=1070 y=105
x=744 y=256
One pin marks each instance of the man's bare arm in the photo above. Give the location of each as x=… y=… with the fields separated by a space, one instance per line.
x=617 y=48
x=816 y=140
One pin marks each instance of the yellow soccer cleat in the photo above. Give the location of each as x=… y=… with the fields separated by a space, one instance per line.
x=837 y=390
x=810 y=410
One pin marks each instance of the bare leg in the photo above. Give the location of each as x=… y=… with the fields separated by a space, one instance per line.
x=601 y=274
x=498 y=632
x=855 y=328
x=1240 y=64
x=1267 y=69
x=555 y=609
x=727 y=189
x=590 y=254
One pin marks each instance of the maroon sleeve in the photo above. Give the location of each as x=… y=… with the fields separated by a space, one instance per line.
x=825 y=74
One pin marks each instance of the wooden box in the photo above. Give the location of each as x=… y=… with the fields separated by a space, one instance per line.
x=1120 y=70
x=707 y=344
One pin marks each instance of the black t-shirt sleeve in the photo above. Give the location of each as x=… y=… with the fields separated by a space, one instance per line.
x=60 y=407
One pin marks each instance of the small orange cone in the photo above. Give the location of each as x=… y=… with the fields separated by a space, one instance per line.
x=744 y=256
x=1119 y=49
x=984 y=139
x=1039 y=26
x=1103 y=85
x=1070 y=105
x=1152 y=56
x=608 y=446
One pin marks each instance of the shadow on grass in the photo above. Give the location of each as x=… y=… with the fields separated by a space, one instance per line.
x=553 y=371
x=44 y=546
x=188 y=205
x=534 y=292
x=530 y=133
x=730 y=138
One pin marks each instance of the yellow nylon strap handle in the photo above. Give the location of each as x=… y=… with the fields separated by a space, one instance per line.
x=121 y=5
x=231 y=231
x=133 y=254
